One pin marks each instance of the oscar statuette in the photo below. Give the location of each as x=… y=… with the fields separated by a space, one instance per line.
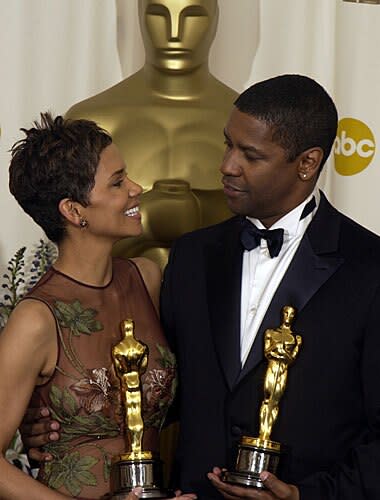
x=135 y=467
x=257 y=454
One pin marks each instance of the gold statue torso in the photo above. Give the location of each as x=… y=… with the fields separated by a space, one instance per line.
x=160 y=137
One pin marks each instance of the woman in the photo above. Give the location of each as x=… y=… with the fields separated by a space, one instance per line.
x=56 y=348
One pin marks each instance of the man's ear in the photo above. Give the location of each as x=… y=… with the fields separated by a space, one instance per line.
x=70 y=211
x=309 y=164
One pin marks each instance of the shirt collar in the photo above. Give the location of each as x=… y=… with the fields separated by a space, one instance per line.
x=292 y=222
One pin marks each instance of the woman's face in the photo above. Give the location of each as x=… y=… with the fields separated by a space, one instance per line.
x=113 y=210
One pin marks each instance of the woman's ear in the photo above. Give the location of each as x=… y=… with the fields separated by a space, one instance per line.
x=310 y=163
x=70 y=211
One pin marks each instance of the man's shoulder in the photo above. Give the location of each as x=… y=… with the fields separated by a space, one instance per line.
x=351 y=233
x=360 y=244
x=364 y=234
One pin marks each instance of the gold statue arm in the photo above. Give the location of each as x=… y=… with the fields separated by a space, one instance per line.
x=297 y=347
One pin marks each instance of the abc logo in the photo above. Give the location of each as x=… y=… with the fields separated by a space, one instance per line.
x=354 y=146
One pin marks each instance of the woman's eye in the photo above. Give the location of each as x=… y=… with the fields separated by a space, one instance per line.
x=118 y=183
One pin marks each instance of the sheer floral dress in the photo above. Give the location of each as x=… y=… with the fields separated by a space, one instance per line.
x=83 y=393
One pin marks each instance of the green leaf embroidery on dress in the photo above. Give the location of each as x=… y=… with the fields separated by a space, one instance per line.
x=76 y=318
x=167 y=359
x=66 y=410
x=72 y=472
x=67 y=469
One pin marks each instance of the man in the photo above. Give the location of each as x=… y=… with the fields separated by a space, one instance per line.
x=218 y=298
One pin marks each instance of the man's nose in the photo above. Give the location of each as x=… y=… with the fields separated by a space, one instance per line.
x=230 y=164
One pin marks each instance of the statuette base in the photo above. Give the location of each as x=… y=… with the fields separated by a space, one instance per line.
x=255 y=455
x=128 y=474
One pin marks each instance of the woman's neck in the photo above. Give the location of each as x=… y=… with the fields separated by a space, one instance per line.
x=91 y=265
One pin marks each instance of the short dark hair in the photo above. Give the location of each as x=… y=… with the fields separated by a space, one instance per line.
x=57 y=159
x=300 y=112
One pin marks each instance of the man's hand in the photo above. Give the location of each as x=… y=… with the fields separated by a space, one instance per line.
x=37 y=429
x=184 y=496
x=276 y=489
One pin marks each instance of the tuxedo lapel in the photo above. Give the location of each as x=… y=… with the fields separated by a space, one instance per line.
x=223 y=277
x=315 y=261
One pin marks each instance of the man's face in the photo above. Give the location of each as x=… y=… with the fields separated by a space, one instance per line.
x=258 y=179
x=177 y=34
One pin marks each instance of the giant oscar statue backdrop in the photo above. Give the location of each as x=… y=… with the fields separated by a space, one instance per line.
x=167 y=119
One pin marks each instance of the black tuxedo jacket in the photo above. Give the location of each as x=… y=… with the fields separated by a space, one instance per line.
x=330 y=413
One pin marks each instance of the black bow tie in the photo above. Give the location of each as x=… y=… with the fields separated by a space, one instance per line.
x=251 y=235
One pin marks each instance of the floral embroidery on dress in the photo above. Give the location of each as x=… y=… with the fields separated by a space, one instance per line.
x=81 y=408
x=89 y=408
x=159 y=389
x=70 y=469
x=93 y=391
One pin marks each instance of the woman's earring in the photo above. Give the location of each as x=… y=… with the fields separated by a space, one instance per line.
x=83 y=223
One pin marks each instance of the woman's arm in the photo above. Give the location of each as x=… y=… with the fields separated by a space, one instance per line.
x=28 y=352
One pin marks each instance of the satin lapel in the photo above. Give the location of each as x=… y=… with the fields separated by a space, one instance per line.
x=315 y=261
x=223 y=276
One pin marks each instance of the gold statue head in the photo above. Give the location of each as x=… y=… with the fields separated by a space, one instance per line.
x=177 y=34
x=288 y=313
x=127 y=327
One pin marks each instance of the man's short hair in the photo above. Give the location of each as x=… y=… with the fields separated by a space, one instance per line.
x=299 y=111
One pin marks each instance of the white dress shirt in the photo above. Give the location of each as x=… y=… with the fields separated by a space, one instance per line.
x=262 y=274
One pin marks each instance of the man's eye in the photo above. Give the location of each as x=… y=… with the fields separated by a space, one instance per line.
x=251 y=158
x=118 y=183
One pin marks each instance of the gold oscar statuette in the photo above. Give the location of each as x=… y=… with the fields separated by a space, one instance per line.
x=136 y=467
x=257 y=454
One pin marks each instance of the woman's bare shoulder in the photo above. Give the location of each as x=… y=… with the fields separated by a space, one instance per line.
x=152 y=276
x=33 y=317
x=149 y=270
x=30 y=337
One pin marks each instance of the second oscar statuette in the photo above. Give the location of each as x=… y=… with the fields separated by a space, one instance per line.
x=136 y=467
x=257 y=454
